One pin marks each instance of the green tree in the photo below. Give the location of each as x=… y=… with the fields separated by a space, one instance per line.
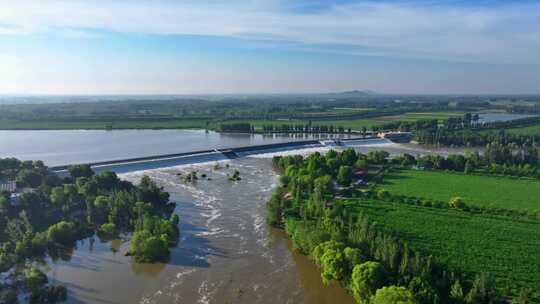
x=344 y=176
x=151 y=193
x=63 y=232
x=422 y=290
x=35 y=278
x=4 y=204
x=456 y=292
x=29 y=178
x=366 y=279
x=148 y=248
x=360 y=164
x=58 y=197
x=482 y=291
x=348 y=157
x=77 y=171
x=101 y=209
x=393 y=295
x=333 y=265
x=323 y=185
x=108 y=228
x=353 y=256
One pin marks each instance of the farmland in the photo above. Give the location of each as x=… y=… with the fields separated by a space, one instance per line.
x=507 y=249
x=172 y=122
x=355 y=124
x=485 y=191
x=531 y=130
x=468 y=253
x=429 y=115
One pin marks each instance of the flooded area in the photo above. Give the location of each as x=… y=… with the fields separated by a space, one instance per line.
x=227 y=253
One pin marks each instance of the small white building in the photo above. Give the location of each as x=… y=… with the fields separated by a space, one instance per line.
x=9 y=186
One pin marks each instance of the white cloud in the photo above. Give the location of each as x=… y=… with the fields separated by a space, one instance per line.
x=503 y=33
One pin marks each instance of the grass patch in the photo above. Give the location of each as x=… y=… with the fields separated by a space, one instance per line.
x=505 y=248
x=487 y=191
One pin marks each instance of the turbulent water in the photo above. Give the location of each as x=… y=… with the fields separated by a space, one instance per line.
x=227 y=252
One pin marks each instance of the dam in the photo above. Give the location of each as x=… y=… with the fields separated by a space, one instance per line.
x=168 y=160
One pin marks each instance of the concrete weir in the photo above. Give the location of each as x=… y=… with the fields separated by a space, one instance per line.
x=168 y=160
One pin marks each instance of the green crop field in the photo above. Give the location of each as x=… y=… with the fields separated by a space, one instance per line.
x=530 y=130
x=429 y=115
x=505 y=248
x=488 y=191
x=357 y=124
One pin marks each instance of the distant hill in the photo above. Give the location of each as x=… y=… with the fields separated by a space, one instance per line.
x=353 y=93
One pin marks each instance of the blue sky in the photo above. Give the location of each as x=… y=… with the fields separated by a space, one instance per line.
x=262 y=46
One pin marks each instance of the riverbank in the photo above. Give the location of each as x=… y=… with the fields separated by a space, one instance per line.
x=226 y=253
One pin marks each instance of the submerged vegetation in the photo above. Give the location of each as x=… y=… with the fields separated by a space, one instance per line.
x=46 y=215
x=387 y=247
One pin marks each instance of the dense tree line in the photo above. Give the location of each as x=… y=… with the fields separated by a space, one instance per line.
x=307 y=128
x=51 y=213
x=284 y=128
x=467 y=131
x=237 y=127
x=467 y=137
x=373 y=264
x=497 y=159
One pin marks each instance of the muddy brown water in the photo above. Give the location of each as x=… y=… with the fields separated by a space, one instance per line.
x=227 y=252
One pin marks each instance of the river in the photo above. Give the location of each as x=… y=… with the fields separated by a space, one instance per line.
x=227 y=253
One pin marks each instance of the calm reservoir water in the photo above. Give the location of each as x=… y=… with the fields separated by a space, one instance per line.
x=61 y=147
x=493 y=117
x=227 y=253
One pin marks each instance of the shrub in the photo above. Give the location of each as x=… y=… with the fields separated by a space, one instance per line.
x=457 y=203
x=108 y=228
x=383 y=195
